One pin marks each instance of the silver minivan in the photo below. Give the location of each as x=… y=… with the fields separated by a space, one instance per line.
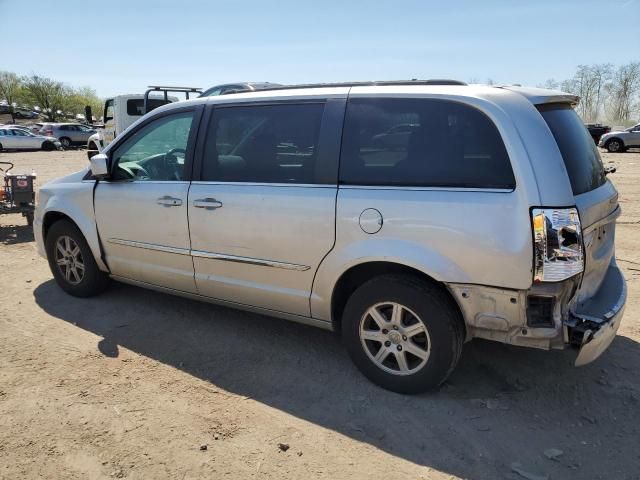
x=490 y=216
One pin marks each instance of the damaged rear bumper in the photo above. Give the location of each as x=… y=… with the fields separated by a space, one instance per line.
x=592 y=326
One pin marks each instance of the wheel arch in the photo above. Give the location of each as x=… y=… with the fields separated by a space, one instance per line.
x=360 y=273
x=86 y=226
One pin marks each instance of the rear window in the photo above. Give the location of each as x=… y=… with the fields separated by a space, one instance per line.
x=419 y=142
x=579 y=152
x=135 y=107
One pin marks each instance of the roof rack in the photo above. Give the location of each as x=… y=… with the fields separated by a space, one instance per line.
x=371 y=83
x=166 y=90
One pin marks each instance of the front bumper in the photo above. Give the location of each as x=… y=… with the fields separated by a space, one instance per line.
x=593 y=325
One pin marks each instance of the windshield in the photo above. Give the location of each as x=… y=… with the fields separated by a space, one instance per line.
x=578 y=150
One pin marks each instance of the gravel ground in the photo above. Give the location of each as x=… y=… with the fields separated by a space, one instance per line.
x=138 y=384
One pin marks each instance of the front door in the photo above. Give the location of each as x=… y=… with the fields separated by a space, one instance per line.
x=262 y=216
x=141 y=213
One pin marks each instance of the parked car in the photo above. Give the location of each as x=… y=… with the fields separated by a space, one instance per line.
x=493 y=220
x=619 y=140
x=21 y=113
x=69 y=134
x=12 y=138
x=237 y=88
x=596 y=130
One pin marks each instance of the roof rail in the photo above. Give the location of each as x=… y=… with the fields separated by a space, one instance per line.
x=166 y=90
x=371 y=83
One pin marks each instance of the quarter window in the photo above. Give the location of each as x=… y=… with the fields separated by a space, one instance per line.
x=422 y=143
x=157 y=151
x=265 y=144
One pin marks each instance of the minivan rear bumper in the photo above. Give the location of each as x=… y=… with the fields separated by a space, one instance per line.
x=592 y=326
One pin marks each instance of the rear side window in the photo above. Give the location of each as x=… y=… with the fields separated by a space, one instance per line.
x=135 y=107
x=422 y=143
x=265 y=144
x=579 y=152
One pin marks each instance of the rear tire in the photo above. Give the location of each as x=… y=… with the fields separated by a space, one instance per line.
x=403 y=333
x=29 y=217
x=71 y=261
x=0 y=147
x=615 y=146
x=66 y=142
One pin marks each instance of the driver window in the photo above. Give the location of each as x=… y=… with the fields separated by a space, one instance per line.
x=156 y=152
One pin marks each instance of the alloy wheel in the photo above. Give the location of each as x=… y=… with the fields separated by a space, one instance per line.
x=395 y=339
x=69 y=259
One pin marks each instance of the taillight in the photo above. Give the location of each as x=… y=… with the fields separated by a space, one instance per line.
x=557 y=244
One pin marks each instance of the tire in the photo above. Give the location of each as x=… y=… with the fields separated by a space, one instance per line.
x=614 y=145
x=0 y=147
x=87 y=283
x=432 y=324
x=66 y=142
x=29 y=217
x=48 y=146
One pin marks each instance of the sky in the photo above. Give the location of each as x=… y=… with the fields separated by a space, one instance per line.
x=118 y=47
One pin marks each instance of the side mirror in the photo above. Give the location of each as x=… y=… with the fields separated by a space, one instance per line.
x=100 y=165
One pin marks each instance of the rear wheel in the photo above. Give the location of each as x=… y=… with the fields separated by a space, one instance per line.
x=403 y=333
x=29 y=217
x=71 y=261
x=66 y=142
x=614 y=145
x=0 y=147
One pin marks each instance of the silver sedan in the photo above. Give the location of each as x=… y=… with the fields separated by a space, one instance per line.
x=12 y=138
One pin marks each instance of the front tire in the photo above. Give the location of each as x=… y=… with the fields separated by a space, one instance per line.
x=71 y=261
x=48 y=146
x=614 y=146
x=403 y=333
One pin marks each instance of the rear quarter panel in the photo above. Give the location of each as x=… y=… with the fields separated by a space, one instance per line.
x=469 y=236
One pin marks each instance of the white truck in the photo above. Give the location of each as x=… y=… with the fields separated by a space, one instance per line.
x=123 y=110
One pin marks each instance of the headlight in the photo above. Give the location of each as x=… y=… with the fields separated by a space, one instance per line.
x=557 y=244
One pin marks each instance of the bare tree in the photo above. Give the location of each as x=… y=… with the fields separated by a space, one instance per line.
x=10 y=87
x=49 y=94
x=623 y=91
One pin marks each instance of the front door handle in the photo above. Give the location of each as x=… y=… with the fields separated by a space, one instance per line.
x=169 y=201
x=207 y=203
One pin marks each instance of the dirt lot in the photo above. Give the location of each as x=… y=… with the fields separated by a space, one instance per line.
x=141 y=385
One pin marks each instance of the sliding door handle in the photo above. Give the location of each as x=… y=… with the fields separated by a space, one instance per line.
x=207 y=203
x=169 y=201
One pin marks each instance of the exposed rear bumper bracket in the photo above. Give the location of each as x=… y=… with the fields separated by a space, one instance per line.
x=593 y=325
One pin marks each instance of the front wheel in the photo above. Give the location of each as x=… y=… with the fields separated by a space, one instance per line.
x=48 y=146
x=71 y=261
x=615 y=146
x=403 y=333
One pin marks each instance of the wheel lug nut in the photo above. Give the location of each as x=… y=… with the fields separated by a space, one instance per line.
x=395 y=327
x=404 y=337
x=387 y=343
x=385 y=331
x=399 y=348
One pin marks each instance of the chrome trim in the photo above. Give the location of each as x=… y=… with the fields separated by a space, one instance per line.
x=314 y=322
x=249 y=260
x=435 y=189
x=603 y=221
x=150 y=246
x=266 y=184
x=210 y=255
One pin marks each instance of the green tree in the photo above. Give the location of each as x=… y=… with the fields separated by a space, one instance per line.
x=10 y=90
x=50 y=95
